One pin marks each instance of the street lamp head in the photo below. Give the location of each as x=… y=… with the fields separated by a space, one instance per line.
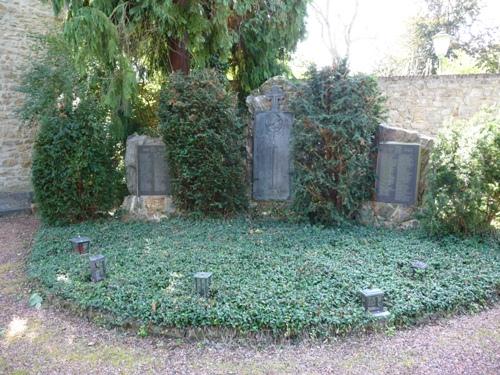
x=441 y=42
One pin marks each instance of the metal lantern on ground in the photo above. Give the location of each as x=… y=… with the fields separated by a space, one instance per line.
x=202 y=281
x=80 y=244
x=97 y=267
x=373 y=301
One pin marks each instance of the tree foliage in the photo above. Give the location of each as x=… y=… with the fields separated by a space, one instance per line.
x=459 y=19
x=337 y=116
x=146 y=40
x=266 y=32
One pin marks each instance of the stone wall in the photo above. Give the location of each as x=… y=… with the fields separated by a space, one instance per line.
x=424 y=103
x=18 y=19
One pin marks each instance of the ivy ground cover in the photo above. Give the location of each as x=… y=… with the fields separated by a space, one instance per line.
x=267 y=276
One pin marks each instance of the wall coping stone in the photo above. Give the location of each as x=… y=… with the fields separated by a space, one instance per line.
x=444 y=77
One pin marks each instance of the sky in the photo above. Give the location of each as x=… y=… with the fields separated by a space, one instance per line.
x=378 y=31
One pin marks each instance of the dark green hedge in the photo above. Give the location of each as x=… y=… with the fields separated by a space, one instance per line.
x=74 y=175
x=74 y=171
x=205 y=144
x=337 y=116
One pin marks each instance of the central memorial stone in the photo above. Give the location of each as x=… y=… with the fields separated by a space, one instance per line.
x=152 y=170
x=271 y=151
x=398 y=166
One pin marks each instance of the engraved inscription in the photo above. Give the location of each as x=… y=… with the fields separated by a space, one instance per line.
x=153 y=178
x=398 y=166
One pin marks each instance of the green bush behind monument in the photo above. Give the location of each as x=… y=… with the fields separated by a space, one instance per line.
x=205 y=144
x=336 y=118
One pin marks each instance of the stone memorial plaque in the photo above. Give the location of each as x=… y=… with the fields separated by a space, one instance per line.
x=271 y=152
x=152 y=174
x=398 y=166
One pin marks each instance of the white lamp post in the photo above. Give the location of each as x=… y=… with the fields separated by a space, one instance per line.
x=441 y=42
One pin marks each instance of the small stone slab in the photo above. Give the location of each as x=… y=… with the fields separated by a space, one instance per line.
x=202 y=281
x=373 y=300
x=97 y=267
x=11 y=203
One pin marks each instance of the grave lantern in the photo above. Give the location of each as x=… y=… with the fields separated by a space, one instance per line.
x=202 y=281
x=373 y=301
x=80 y=244
x=418 y=266
x=97 y=267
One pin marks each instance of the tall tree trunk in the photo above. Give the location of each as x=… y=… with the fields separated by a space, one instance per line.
x=178 y=53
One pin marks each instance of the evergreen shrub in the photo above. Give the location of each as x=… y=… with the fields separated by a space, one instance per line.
x=336 y=118
x=463 y=194
x=205 y=144
x=74 y=172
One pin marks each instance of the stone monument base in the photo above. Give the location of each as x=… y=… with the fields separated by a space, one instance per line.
x=388 y=215
x=148 y=207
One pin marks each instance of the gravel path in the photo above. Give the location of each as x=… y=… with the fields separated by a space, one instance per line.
x=48 y=341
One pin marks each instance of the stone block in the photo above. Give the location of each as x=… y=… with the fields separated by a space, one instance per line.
x=269 y=164
x=13 y=202
x=151 y=208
